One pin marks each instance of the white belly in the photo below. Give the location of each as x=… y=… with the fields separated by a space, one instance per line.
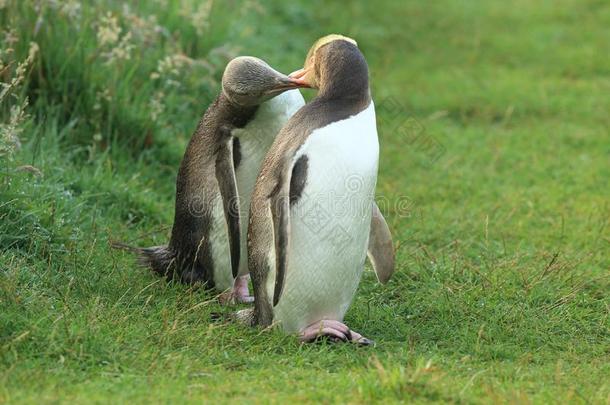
x=255 y=139
x=330 y=223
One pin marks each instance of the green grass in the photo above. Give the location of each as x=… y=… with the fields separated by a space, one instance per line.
x=494 y=131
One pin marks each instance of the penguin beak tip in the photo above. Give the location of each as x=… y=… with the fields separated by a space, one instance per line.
x=300 y=83
x=299 y=77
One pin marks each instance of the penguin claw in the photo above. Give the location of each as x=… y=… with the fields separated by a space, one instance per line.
x=324 y=334
x=364 y=342
x=334 y=332
x=360 y=340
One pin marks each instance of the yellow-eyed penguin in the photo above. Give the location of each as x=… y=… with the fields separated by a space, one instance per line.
x=217 y=175
x=312 y=208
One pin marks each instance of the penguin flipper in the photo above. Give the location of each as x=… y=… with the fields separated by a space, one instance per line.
x=260 y=262
x=268 y=238
x=280 y=211
x=381 y=248
x=290 y=192
x=225 y=175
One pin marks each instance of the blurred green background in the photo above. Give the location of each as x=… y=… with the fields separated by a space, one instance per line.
x=494 y=125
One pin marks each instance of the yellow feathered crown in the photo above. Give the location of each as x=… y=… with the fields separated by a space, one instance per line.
x=325 y=40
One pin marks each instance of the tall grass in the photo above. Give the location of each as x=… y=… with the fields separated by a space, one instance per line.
x=86 y=81
x=116 y=73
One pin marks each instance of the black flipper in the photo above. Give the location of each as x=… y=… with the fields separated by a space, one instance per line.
x=225 y=175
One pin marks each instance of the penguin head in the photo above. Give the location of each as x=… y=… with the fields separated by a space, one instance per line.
x=249 y=81
x=333 y=60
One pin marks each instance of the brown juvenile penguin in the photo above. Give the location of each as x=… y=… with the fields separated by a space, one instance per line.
x=217 y=175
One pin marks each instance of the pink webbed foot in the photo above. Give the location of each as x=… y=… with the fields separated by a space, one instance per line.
x=335 y=331
x=239 y=294
x=241 y=290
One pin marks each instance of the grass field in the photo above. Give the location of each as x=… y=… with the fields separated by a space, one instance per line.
x=494 y=128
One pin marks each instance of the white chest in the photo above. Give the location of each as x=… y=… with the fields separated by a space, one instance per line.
x=255 y=139
x=330 y=223
x=258 y=135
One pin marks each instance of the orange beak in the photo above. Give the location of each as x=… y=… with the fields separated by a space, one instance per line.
x=299 y=76
x=287 y=83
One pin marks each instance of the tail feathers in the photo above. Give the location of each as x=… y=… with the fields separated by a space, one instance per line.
x=158 y=258
x=123 y=246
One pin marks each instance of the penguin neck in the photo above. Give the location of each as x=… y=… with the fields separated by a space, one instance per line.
x=347 y=83
x=353 y=94
x=232 y=113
